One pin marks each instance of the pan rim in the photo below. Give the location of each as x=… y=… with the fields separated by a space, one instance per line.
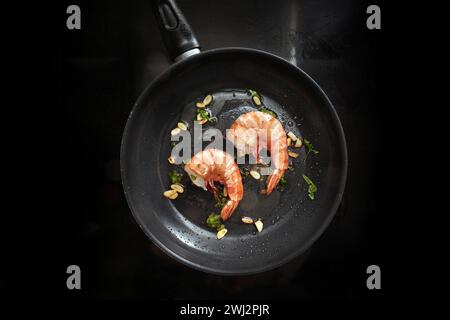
x=295 y=253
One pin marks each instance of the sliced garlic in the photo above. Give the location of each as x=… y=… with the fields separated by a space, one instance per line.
x=221 y=233
x=288 y=141
x=247 y=220
x=292 y=154
x=298 y=143
x=171 y=160
x=182 y=126
x=207 y=100
x=171 y=194
x=200 y=105
x=255 y=174
x=177 y=187
x=292 y=136
x=199 y=117
x=259 y=225
x=256 y=100
x=175 y=131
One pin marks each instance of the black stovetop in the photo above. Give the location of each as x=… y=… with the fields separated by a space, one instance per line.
x=100 y=71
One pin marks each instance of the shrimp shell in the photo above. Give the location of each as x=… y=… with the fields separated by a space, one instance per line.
x=214 y=165
x=255 y=131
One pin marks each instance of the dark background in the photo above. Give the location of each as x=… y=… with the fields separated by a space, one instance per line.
x=96 y=75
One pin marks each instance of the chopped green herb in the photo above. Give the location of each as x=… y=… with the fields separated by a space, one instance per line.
x=221 y=200
x=283 y=182
x=256 y=97
x=214 y=221
x=204 y=114
x=245 y=172
x=312 y=188
x=268 y=111
x=193 y=177
x=309 y=148
x=175 y=177
x=253 y=93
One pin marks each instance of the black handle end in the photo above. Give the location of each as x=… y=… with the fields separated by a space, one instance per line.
x=177 y=35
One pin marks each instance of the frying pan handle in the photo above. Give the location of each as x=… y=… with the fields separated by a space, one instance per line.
x=177 y=35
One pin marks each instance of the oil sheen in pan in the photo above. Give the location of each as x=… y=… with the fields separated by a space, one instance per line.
x=196 y=204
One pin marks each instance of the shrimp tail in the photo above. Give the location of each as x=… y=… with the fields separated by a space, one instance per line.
x=228 y=209
x=272 y=180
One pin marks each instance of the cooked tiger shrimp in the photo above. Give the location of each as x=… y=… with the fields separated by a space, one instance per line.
x=211 y=165
x=256 y=130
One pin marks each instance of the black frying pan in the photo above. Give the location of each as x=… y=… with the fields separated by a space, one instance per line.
x=292 y=221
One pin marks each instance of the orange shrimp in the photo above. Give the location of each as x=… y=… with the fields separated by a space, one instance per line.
x=212 y=165
x=256 y=130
